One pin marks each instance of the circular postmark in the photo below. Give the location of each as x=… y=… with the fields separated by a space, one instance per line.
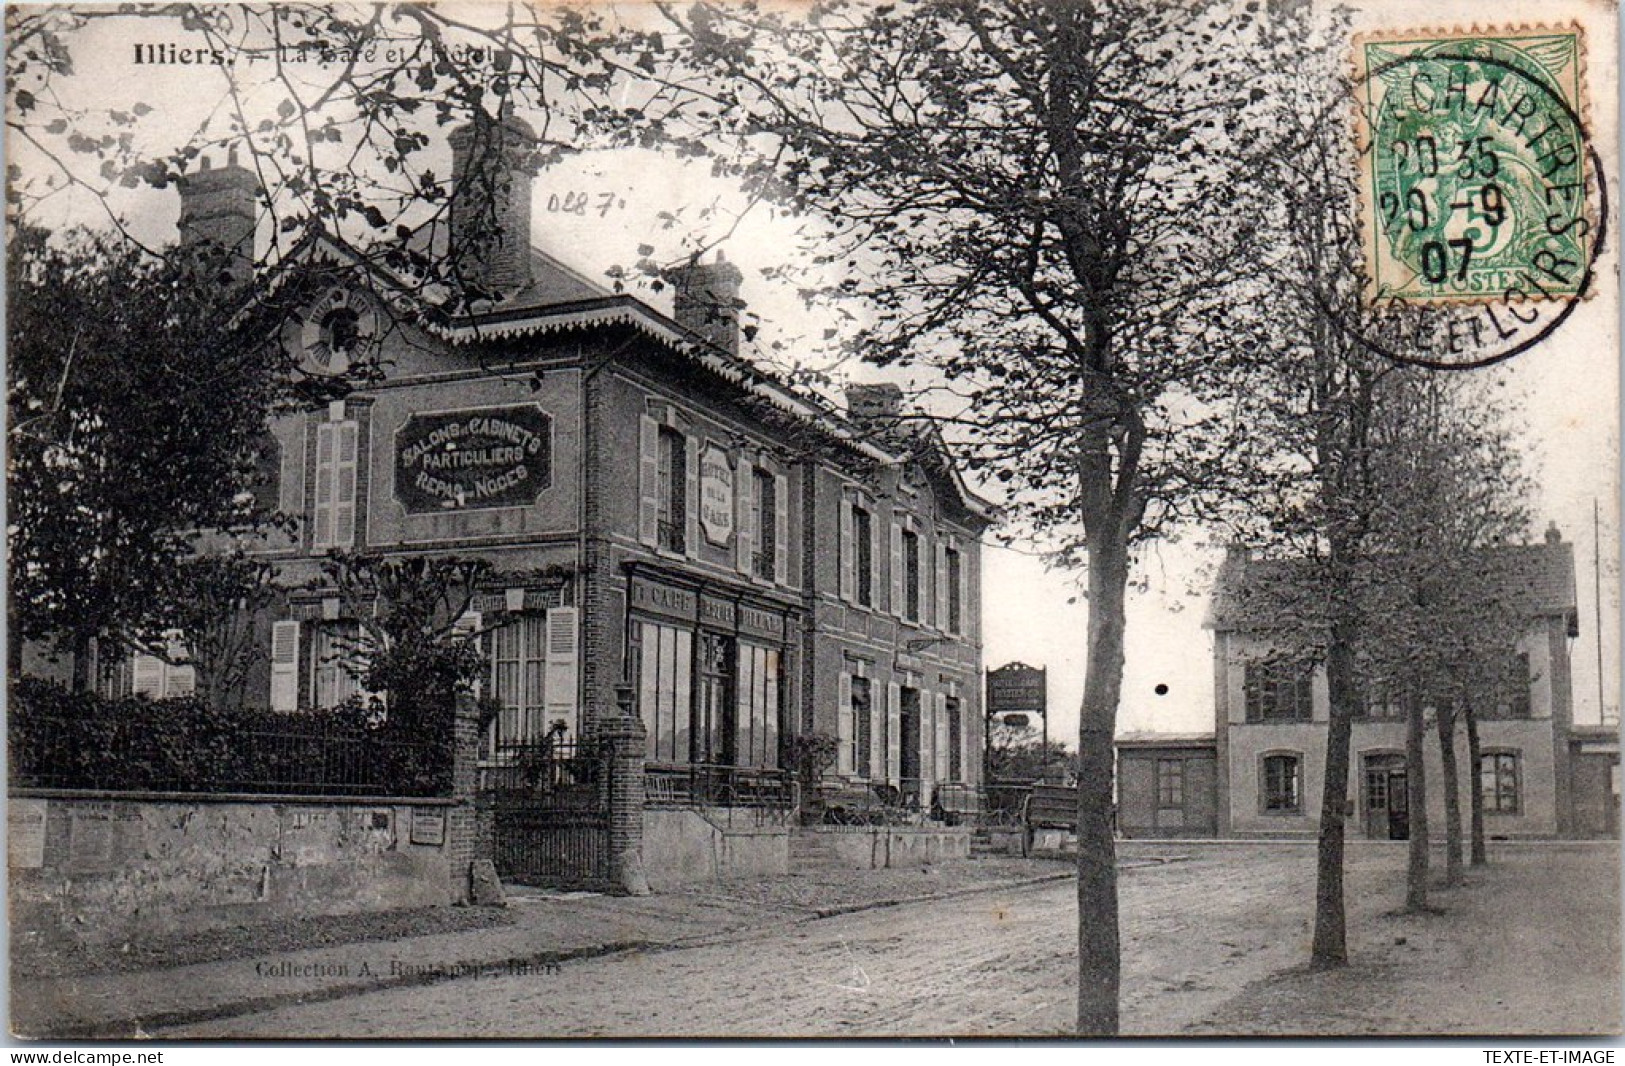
x=1483 y=206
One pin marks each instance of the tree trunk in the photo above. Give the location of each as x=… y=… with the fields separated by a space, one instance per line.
x=81 y=661
x=1099 y=961
x=1475 y=794
x=1416 y=794
x=1450 y=781
x=1330 y=946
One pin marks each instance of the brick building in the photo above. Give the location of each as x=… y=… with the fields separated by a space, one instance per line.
x=658 y=512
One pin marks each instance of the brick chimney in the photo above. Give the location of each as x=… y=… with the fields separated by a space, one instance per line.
x=491 y=161
x=708 y=301
x=218 y=209
x=868 y=403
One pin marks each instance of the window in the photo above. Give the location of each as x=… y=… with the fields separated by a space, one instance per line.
x=1278 y=691
x=1382 y=701
x=1283 y=785
x=955 y=607
x=672 y=499
x=1498 y=782
x=518 y=667
x=665 y=689
x=1517 y=686
x=862 y=726
x=1171 y=784
x=863 y=555
x=765 y=562
x=336 y=664
x=758 y=718
x=911 y=575
x=956 y=740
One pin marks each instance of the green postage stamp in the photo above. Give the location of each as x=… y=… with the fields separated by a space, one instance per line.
x=1473 y=157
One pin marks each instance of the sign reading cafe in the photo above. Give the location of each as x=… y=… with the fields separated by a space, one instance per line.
x=465 y=460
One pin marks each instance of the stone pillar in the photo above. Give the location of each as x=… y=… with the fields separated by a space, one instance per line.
x=623 y=737
x=468 y=821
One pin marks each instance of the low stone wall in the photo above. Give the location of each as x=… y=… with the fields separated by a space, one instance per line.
x=877 y=847
x=682 y=846
x=99 y=868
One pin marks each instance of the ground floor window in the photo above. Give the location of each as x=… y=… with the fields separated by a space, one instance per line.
x=336 y=663
x=863 y=726
x=518 y=668
x=1498 y=782
x=1283 y=783
x=1171 y=784
x=665 y=689
x=757 y=725
x=956 y=739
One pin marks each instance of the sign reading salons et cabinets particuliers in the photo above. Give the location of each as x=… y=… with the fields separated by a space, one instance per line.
x=464 y=460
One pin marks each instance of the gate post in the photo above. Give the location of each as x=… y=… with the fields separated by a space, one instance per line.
x=469 y=836
x=623 y=737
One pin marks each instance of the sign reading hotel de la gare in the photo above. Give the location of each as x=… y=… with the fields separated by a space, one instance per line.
x=471 y=459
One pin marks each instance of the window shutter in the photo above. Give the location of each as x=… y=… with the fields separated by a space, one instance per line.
x=284 y=666
x=843 y=725
x=944 y=614
x=966 y=612
x=148 y=676
x=559 y=681
x=648 y=480
x=877 y=737
x=781 y=529
x=344 y=484
x=691 y=496
x=928 y=616
x=321 y=535
x=848 y=553
x=744 y=516
x=897 y=569
x=943 y=739
x=894 y=733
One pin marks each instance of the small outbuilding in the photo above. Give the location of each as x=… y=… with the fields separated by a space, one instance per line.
x=1166 y=785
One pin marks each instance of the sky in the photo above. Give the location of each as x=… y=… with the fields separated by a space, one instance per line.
x=1031 y=613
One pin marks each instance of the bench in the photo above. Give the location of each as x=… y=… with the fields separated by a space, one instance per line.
x=1048 y=807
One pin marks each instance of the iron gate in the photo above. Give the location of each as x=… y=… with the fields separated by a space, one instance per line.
x=550 y=807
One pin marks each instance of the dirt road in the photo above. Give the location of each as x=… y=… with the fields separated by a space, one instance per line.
x=1211 y=943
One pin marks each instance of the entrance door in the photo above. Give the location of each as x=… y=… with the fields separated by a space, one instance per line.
x=1386 y=814
x=1399 y=814
x=715 y=739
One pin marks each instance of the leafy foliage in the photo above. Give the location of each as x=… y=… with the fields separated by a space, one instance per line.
x=63 y=739
x=137 y=399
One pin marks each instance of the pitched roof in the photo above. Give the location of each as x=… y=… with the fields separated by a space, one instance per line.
x=1150 y=739
x=1247 y=592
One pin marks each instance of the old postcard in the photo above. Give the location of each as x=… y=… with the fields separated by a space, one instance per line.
x=998 y=518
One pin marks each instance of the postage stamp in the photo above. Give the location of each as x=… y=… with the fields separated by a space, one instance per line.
x=1473 y=156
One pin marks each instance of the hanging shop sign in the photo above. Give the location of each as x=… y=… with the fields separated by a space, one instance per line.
x=716 y=494
x=468 y=460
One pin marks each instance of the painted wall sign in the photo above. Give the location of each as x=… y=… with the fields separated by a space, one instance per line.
x=653 y=598
x=716 y=494
x=467 y=460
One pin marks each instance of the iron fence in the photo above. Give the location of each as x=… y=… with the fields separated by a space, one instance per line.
x=708 y=785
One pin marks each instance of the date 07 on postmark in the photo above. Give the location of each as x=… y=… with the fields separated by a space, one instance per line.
x=1473 y=166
